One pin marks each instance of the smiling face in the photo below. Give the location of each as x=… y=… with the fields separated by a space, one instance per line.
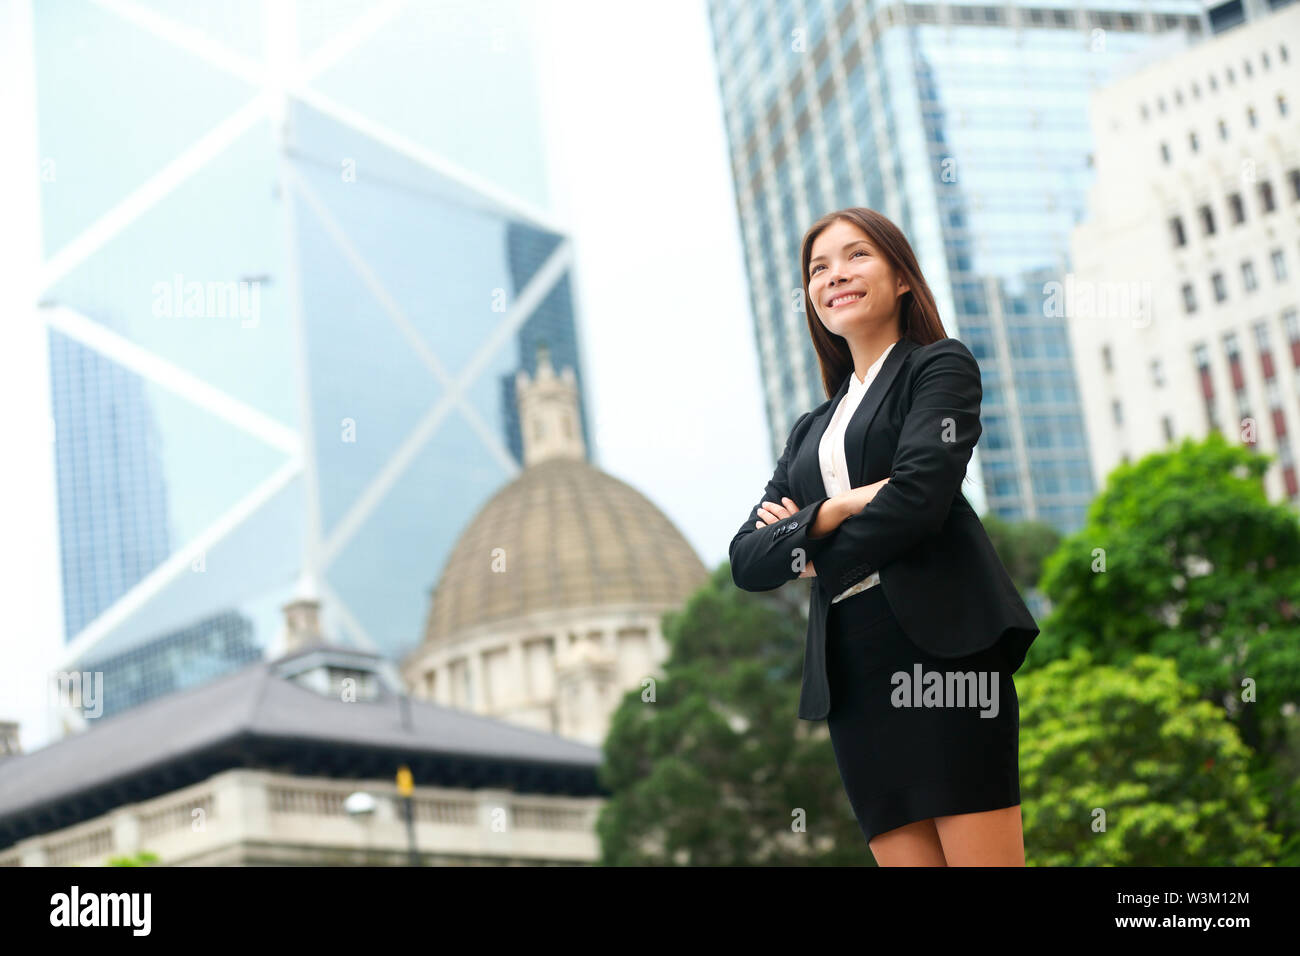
x=853 y=287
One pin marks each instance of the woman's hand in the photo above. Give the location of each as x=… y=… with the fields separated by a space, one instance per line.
x=772 y=511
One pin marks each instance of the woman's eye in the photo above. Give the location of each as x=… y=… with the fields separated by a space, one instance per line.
x=813 y=271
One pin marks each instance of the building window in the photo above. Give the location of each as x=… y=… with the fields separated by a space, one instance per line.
x=1146 y=113
x=1169 y=428
x=1164 y=152
x=1248 y=276
x=1230 y=346
x=1189 y=298
x=1116 y=413
x=1176 y=225
x=1281 y=104
x=1279 y=265
x=1261 y=336
x=1238 y=209
x=1274 y=392
x=1207 y=220
x=1157 y=374
x=1201 y=355
x=1223 y=130
x=1214 y=84
x=1105 y=358
x=1291 y=322
x=1191 y=141
x=1266 y=196
x=1293 y=177
x=1220 y=287
x=1251 y=117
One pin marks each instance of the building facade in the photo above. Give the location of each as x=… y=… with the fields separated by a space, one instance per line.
x=300 y=761
x=1196 y=213
x=967 y=125
x=302 y=274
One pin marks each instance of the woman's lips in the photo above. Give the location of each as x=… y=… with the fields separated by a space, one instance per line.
x=859 y=296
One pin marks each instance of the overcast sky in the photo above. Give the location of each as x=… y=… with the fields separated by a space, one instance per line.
x=640 y=173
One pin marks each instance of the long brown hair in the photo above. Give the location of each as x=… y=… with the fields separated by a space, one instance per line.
x=918 y=317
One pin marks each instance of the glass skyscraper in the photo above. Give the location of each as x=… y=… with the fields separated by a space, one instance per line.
x=290 y=269
x=112 y=496
x=967 y=125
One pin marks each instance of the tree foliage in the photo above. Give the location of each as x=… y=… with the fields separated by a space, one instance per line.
x=717 y=769
x=1182 y=556
x=1023 y=546
x=1124 y=766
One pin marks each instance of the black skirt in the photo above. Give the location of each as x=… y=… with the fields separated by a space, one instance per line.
x=910 y=747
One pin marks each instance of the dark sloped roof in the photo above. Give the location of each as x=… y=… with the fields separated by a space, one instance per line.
x=228 y=715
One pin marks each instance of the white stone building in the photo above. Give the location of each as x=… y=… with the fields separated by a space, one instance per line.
x=295 y=761
x=1183 y=303
x=549 y=608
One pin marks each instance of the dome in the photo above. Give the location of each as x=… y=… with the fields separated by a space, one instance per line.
x=569 y=536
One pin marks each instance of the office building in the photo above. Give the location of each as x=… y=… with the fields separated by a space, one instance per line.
x=1196 y=210
x=967 y=125
x=300 y=275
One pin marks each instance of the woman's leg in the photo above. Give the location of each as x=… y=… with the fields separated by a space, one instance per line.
x=988 y=838
x=916 y=844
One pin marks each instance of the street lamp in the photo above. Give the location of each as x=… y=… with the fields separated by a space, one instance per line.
x=360 y=806
x=405 y=788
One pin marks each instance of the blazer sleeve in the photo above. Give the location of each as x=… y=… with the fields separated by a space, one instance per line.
x=765 y=558
x=934 y=447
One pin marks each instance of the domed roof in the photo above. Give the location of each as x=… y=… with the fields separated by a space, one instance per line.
x=570 y=536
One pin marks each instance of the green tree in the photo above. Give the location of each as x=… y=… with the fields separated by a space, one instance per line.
x=143 y=858
x=1169 y=771
x=717 y=769
x=1183 y=556
x=1023 y=546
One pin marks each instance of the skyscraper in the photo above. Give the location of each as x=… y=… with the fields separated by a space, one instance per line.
x=113 y=527
x=967 y=125
x=286 y=232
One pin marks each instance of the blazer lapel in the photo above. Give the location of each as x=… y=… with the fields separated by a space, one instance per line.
x=855 y=445
x=807 y=478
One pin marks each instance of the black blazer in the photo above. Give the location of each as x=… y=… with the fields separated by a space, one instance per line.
x=916 y=425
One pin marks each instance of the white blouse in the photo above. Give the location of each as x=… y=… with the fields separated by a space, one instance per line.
x=835 y=468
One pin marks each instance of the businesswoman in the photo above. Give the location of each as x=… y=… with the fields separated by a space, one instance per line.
x=915 y=627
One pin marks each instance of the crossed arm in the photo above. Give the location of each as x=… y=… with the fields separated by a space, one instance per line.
x=829 y=517
x=935 y=444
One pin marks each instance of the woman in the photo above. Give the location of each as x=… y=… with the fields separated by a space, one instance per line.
x=915 y=627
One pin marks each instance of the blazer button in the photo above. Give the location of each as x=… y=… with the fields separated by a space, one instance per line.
x=793 y=525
